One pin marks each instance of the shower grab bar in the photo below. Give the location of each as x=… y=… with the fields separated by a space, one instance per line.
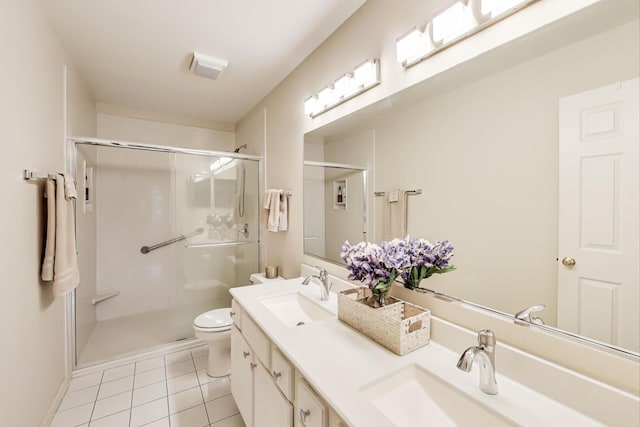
x=146 y=249
x=215 y=244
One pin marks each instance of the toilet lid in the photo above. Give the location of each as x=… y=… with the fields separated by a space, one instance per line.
x=214 y=319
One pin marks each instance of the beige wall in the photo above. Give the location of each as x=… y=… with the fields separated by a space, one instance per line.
x=159 y=133
x=32 y=131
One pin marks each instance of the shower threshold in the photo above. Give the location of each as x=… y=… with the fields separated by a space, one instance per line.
x=123 y=336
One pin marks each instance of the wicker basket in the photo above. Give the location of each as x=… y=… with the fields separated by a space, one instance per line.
x=399 y=326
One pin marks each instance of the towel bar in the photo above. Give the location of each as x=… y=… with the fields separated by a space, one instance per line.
x=31 y=175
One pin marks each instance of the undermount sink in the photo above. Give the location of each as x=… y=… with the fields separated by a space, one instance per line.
x=294 y=309
x=413 y=396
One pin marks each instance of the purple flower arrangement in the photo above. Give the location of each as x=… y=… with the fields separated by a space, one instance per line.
x=378 y=266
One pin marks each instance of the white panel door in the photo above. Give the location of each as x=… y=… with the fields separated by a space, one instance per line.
x=599 y=218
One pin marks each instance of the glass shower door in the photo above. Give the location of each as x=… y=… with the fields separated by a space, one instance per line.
x=216 y=207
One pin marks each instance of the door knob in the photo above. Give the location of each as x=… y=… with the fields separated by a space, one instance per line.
x=568 y=261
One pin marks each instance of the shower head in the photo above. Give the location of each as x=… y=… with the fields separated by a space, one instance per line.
x=237 y=150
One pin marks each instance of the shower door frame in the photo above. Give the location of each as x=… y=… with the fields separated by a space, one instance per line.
x=70 y=301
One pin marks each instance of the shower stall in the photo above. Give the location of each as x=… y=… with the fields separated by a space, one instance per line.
x=163 y=233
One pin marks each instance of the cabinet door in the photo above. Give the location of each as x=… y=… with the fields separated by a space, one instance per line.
x=242 y=364
x=271 y=409
x=236 y=314
x=282 y=372
x=310 y=410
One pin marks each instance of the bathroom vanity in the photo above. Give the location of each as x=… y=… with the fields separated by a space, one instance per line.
x=294 y=363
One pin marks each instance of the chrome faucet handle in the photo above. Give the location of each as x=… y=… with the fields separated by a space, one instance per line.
x=322 y=273
x=526 y=315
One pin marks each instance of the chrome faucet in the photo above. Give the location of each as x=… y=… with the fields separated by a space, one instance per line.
x=526 y=315
x=323 y=277
x=484 y=353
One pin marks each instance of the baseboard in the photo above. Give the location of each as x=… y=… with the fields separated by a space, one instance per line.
x=53 y=408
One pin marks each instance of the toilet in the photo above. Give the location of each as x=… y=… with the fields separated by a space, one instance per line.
x=214 y=327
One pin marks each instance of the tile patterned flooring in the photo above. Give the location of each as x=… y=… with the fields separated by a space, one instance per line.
x=164 y=391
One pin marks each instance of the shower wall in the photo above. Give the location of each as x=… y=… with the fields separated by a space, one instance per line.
x=86 y=223
x=134 y=195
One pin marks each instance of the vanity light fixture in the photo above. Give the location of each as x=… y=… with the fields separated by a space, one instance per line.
x=349 y=85
x=452 y=22
x=456 y=21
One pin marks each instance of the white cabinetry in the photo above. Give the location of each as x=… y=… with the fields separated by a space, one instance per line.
x=242 y=365
x=271 y=408
x=258 y=386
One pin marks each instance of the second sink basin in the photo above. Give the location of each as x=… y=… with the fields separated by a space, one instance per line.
x=294 y=309
x=414 y=396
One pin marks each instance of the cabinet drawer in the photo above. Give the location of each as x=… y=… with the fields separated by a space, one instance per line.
x=309 y=409
x=236 y=314
x=256 y=339
x=282 y=372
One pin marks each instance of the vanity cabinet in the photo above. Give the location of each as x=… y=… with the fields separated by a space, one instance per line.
x=242 y=366
x=310 y=410
x=261 y=377
x=271 y=408
x=268 y=390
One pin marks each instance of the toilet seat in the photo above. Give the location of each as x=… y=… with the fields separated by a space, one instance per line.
x=217 y=320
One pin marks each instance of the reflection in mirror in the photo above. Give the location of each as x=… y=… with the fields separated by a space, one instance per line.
x=490 y=145
x=335 y=206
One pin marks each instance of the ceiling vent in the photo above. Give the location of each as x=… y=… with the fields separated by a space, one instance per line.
x=207 y=66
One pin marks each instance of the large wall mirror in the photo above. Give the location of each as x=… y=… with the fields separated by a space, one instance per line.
x=335 y=208
x=526 y=158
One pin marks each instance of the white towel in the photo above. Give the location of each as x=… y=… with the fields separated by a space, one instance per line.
x=274 y=215
x=283 y=218
x=60 y=262
x=270 y=217
x=394 y=225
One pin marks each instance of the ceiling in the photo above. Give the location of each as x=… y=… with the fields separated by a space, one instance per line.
x=136 y=54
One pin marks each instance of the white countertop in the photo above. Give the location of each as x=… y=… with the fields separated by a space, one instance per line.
x=339 y=362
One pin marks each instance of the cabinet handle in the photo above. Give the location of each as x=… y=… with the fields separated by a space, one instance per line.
x=245 y=354
x=303 y=414
x=253 y=365
x=276 y=375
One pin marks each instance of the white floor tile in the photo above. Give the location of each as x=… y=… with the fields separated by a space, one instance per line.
x=201 y=361
x=148 y=412
x=160 y=423
x=119 y=372
x=115 y=387
x=148 y=393
x=194 y=417
x=217 y=388
x=182 y=382
x=78 y=398
x=84 y=381
x=73 y=417
x=120 y=419
x=221 y=408
x=203 y=378
x=111 y=405
x=150 y=377
x=149 y=364
x=233 y=421
x=178 y=356
x=185 y=399
x=180 y=368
